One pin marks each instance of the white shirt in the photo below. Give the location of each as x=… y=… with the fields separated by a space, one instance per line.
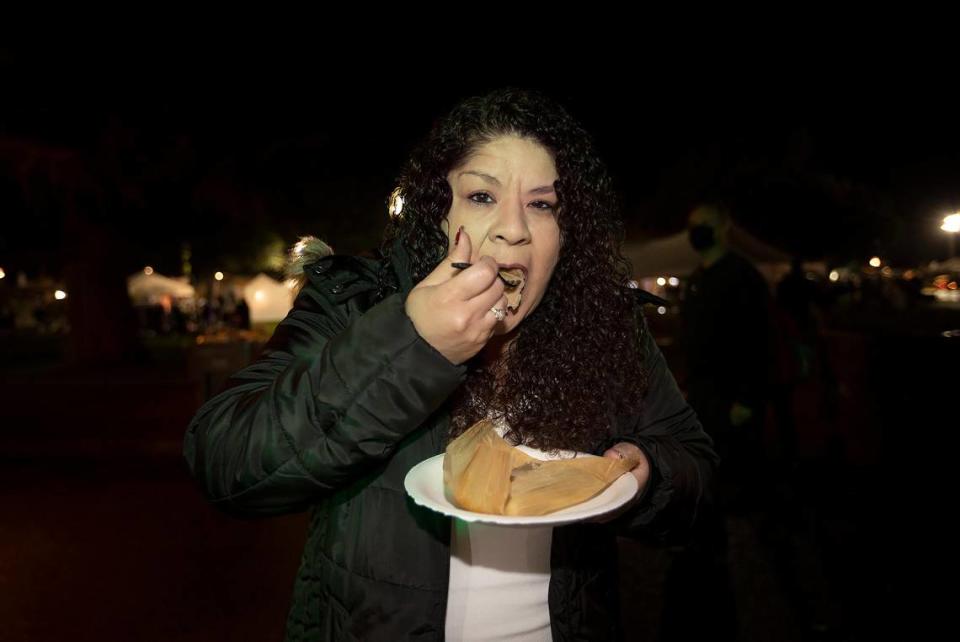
x=499 y=580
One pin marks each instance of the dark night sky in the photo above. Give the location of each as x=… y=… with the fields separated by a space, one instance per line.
x=832 y=160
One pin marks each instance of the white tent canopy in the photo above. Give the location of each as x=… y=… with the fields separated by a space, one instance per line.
x=268 y=299
x=673 y=256
x=950 y=265
x=151 y=288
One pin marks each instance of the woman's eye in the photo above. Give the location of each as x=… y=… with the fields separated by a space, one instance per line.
x=479 y=198
x=483 y=198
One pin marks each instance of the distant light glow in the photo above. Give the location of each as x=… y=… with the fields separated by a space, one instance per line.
x=661 y=281
x=834 y=276
x=887 y=271
x=148 y=270
x=662 y=310
x=951 y=223
x=218 y=276
x=876 y=262
x=2 y=273
x=60 y=295
x=674 y=281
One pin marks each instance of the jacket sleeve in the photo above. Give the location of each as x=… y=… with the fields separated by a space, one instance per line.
x=329 y=398
x=681 y=454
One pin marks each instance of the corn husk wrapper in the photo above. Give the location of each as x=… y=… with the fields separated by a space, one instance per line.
x=484 y=474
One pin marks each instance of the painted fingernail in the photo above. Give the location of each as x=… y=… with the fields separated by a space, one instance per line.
x=456 y=241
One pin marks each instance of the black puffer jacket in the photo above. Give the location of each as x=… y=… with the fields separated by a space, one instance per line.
x=346 y=398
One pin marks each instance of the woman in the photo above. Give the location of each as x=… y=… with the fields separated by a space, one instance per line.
x=382 y=361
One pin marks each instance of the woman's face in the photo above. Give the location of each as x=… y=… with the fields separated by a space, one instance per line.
x=503 y=195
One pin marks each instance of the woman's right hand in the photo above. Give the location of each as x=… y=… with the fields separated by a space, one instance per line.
x=451 y=308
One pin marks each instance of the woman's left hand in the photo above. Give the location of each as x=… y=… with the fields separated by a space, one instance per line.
x=626 y=450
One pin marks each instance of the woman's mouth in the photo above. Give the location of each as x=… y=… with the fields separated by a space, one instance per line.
x=514 y=277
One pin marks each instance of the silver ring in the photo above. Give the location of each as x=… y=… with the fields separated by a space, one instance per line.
x=497 y=312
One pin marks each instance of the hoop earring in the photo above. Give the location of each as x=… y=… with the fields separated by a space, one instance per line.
x=396 y=203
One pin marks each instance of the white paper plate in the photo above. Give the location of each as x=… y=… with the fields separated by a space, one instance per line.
x=424 y=483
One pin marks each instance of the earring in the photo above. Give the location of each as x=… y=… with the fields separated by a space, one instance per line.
x=396 y=203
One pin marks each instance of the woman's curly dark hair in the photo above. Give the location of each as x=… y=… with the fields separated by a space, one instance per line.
x=576 y=361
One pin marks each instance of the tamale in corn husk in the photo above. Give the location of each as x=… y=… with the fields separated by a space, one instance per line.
x=476 y=470
x=484 y=474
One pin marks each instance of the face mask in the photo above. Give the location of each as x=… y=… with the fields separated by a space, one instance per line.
x=701 y=237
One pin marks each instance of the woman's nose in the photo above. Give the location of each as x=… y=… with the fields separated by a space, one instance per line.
x=511 y=223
